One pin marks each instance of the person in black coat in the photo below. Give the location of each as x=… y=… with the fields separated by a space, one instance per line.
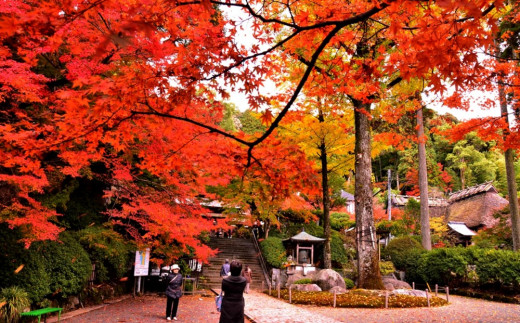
x=232 y=310
x=173 y=292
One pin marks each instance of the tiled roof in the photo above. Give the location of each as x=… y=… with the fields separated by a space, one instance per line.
x=402 y=200
x=470 y=191
x=304 y=236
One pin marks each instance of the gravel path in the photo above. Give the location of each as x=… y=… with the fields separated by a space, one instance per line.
x=264 y=309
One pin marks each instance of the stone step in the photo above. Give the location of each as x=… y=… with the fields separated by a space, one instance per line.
x=235 y=248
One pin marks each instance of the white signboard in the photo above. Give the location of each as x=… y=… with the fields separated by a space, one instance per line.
x=142 y=261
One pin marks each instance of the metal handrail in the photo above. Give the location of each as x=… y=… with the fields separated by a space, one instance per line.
x=262 y=260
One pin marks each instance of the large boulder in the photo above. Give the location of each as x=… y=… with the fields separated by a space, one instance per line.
x=392 y=283
x=299 y=275
x=294 y=277
x=306 y=287
x=328 y=278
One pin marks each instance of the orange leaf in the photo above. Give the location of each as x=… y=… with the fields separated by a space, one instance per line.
x=19 y=269
x=266 y=117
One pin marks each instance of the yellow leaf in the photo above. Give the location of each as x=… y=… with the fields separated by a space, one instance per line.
x=19 y=269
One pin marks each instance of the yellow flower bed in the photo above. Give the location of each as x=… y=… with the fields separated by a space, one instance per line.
x=357 y=298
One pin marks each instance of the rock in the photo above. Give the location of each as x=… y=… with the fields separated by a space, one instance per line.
x=338 y=290
x=328 y=278
x=391 y=284
x=294 y=277
x=306 y=287
x=411 y=292
x=388 y=286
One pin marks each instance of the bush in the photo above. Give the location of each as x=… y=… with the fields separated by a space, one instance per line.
x=340 y=221
x=499 y=267
x=67 y=262
x=349 y=283
x=303 y=281
x=14 y=300
x=22 y=267
x=445 y=266
x=410 y=264
x=386 y=267
x=395 y=227
x=457 y=266
x=397 y=250
x=273 y=251
x=111 y=253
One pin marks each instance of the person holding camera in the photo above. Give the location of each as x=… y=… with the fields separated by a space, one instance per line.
x=173 y=292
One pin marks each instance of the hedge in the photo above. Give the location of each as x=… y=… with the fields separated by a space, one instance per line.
x=480 y=267
x=273 y=251
x=111 y=253
x=68 y=263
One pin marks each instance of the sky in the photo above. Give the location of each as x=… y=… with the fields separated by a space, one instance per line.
x=475 y=97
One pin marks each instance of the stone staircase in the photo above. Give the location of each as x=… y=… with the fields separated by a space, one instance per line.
x=234 y=248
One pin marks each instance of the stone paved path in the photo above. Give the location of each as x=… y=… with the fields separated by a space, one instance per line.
x=264 y=309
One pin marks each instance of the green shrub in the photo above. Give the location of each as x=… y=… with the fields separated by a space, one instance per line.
x=339 y=254
x=32 y=275
x=14 y=300
x=349 y=283
x=273 y=251
x=395 y=227
x=111 y=253
x=303 y=281
x=445 y=266
x=410 y=264
x=499 y=267
x=340 y=221
x=67 y=262
x=386 y=267
x=397 y=250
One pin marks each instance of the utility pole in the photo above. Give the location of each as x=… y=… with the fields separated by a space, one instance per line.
x=389 y=209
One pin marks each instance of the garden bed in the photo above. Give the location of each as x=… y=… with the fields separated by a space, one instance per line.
x=357 y=298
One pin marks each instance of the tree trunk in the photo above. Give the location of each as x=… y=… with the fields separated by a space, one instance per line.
x=369 y=275
x=423 y=183
x=327 y=253
x=510 y=173
x=267 y=227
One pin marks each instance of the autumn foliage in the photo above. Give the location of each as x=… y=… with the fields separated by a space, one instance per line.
x=138 y=87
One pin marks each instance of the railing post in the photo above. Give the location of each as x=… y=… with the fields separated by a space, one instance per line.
x=436 y=289
x=413 y=285
x=290 y=294
x=334 y=298
x=428 y=297
x=447 y=294
x=386 y=299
